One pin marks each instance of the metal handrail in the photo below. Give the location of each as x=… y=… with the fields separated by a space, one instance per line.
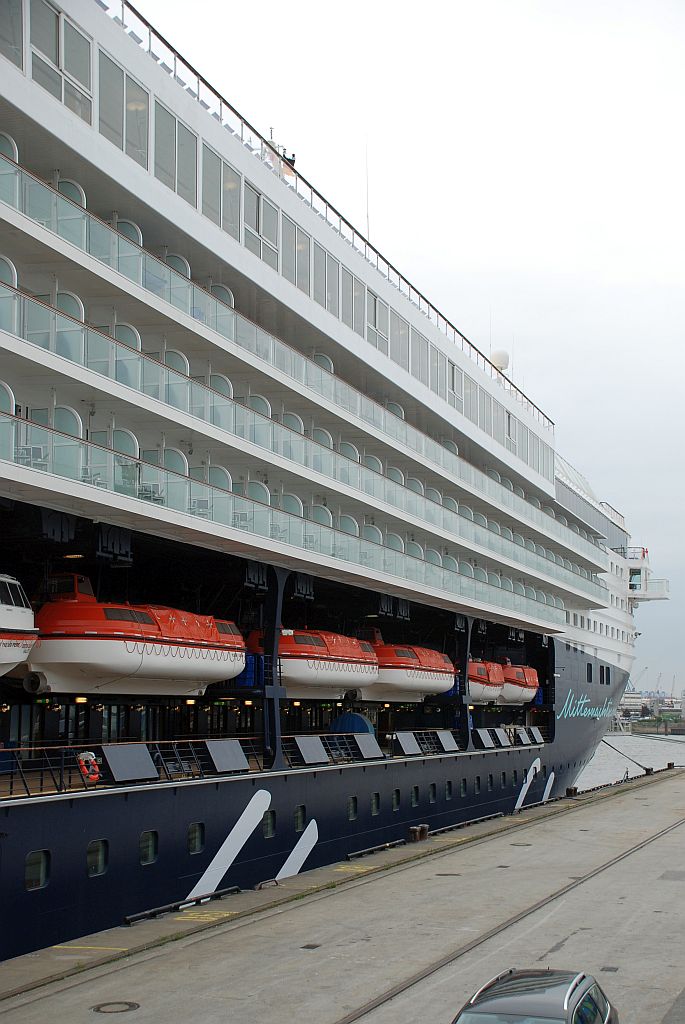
x=269 y=154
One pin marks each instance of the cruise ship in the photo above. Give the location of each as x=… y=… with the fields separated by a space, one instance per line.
x=289 y=568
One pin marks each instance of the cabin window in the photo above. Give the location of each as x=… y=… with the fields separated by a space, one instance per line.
x=227 y=627
x=448 y=790
x=300 y=817
x=175 y=155
x=269 y=824
x=37 y=870
x=377 y=326
x=432 y=793
x=462 y=788
x=326 y=272
x=196 y=837
x=399 y=340
x=352 y=808
x=375 y=804
x=455 y=386
x=12 y=595
x=438 y=372
x=128 y=615
x=97 y=857
x=503 y=780
x=211 y=185
x=607 y=676
x=365 y=646
x=60 y=58
x=601 y=675
x=186 y=144
x=149 y=847
x=307 y=640
x=404 y=652
x=11 y=39
x=515 y=777
x=261 y=226
x=353 y=302
x=589 y=672
x=395 y=799
x=476 y=785
x=415 y=796
x=419 y=357
x=491 y=782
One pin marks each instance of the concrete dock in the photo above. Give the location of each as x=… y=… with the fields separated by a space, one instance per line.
x=593 y=883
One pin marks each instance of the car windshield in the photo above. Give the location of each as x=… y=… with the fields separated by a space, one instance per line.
x=473 y=1017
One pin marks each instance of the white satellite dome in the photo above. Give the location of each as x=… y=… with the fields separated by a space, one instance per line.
x=500 y=359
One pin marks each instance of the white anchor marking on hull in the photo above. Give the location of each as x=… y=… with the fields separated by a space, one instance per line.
x=232 y=844
x=300 y=851
x=530 y=775
x=548 y=788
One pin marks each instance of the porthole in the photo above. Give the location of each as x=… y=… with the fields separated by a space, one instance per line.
x=149 y=847
x=196 y=837
x=97 y=857
x=37 y=870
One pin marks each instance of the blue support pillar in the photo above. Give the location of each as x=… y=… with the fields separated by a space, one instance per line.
x=273 y=691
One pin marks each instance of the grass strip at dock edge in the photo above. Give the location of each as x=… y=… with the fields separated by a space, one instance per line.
x=564 y=805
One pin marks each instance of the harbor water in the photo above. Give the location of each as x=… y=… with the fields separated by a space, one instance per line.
x=619 y=753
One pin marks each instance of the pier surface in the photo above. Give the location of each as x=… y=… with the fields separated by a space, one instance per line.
x=595 y=883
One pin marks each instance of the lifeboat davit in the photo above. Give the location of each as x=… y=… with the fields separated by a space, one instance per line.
x=317 y=665
x=18 y=632
x=486 y=681
x=520 y=684
x=408 y=673
x=90 y=646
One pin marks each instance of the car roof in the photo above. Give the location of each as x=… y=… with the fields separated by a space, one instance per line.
x=545 y=992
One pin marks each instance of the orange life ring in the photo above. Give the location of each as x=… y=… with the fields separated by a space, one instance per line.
x=88 y=766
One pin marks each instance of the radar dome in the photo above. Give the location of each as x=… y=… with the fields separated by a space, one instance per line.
x=500 y=359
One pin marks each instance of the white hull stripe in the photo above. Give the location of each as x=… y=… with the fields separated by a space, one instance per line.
x=548 y=788
x=300 y=852
x=530 y=775
x=233 y=844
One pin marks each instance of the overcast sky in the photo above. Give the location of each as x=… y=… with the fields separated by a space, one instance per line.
x=527 y=173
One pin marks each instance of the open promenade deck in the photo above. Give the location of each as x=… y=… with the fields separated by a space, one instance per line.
x=594 y=883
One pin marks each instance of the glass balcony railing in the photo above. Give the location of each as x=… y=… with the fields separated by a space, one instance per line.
x=44 y=205
x=54 y=331
x=36 y=447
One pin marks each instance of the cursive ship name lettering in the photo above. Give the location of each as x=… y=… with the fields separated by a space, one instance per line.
x=580 y=707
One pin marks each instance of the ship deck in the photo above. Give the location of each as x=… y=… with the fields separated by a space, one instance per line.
x=409 y=932
x=50 y=771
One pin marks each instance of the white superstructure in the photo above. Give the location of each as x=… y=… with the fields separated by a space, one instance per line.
x=195 y=344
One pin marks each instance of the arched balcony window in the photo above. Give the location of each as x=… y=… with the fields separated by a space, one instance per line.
x=348 y=524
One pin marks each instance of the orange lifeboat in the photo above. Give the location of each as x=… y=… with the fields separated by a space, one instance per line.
x=520 y=683
x=319 y=665
x=91 y=646
x=486 y=681
x=409 y=673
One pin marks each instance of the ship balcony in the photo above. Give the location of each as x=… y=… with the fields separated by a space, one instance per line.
x=40 y=462
x=362 y=491
x=147 y=279
x=649 y=590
